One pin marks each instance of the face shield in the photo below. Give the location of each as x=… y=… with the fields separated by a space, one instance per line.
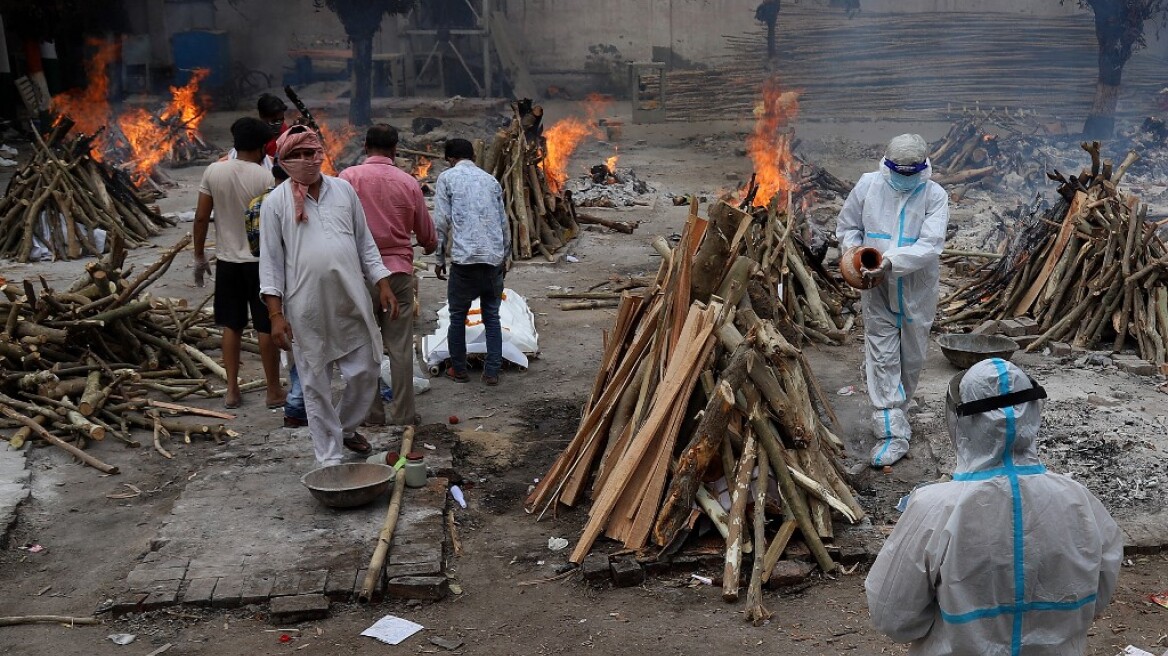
x=955 y=409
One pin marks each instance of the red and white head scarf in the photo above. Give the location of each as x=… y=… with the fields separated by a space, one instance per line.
x=303 y=173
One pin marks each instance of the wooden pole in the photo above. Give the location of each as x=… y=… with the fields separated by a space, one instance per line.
x=377 y=563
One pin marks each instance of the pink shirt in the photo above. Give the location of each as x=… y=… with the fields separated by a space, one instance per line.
x=394 y=208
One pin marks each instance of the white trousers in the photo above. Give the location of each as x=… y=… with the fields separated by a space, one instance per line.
x=329 y=423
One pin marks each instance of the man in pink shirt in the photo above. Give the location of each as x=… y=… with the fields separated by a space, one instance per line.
x=395 y=210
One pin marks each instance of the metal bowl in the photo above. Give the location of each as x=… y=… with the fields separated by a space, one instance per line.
x=348 y=485
x=964 y=351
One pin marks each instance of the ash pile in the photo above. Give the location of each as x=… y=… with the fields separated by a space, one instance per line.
x=607 y=186
x=1113 y=460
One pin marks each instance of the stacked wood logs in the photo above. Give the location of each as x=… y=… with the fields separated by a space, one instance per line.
x=700 y=384
x=75 y=363
x=541 y=221
x=965 y=154
x=62 y=195
x=1090 y=270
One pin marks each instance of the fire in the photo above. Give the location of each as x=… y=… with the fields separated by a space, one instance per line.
x=335 y=139
x=422 y=168
x=770 y=145
x=610 y=163
x=562 y=139
x=151 y=139
x=89 y=107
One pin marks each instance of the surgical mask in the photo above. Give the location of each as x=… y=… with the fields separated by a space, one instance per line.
x=904 y=183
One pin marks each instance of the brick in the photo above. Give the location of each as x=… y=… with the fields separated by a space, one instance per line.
x=199 y=591
x=433 y=568
x=228 y=592
x=162 y=597
x=1136 y=367
x=1011 y=328
x=1026 y=340
x=339 y=586
x=849 y=556
x=987 y=328
x=312 y=583
x=426 y=588
x=409 y=554
x=627 y=573
x=1030 y=325
x=287 y=584
x=256 y=589
x=141 y=578
x=1061 y=349
x=596 y=568
x=378 y=588
x=128 y=603
x=788 y=573
x=298 y=608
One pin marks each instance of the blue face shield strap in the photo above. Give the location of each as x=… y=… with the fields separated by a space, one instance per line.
x=905 y=169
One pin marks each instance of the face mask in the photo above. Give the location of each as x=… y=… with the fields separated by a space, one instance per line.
x=304 y=171
x=904 y=183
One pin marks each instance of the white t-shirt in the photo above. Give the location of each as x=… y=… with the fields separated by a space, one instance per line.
x=232 y=184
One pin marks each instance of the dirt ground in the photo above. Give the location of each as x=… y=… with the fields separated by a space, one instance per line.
x=510 y=434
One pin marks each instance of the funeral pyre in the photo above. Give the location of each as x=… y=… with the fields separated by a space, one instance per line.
x=1091 y=270
x=66 y=202
x=75 y=363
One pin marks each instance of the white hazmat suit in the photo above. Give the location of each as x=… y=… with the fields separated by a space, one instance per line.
x=907 y=225
x=1007 y=558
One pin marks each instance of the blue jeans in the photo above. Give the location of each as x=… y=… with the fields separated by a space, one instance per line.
x=294 y=404
x=468 y=282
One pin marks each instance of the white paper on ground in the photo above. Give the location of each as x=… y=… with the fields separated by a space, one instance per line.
x=392 y=630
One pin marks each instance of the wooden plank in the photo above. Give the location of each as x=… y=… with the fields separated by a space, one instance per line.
x=514 y=68
x=1064 y=236
x=186 y=409
x=697 y=332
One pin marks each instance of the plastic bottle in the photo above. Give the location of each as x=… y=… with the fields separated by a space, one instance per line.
x=415 y=469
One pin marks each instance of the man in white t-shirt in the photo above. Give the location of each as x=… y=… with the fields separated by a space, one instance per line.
x=227 y=188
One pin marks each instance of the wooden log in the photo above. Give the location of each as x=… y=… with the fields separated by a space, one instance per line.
x=24 y=432
x=740 y=493
x=619 y=226
x=16 y=620
x=755 y=612
x=54 y=440
x=776 y=547
x=593 y=304
x=376 y=569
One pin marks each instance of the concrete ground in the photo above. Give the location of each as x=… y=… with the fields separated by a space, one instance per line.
x=240 y=507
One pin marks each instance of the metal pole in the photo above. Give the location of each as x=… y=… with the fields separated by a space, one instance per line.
x=486 y=25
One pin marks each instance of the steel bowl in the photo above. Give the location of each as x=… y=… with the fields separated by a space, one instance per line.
x=348 y=485
x=963 y=351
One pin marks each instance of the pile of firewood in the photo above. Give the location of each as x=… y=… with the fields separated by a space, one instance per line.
x=541 y=221
x=708 y=334
x=966 y=154
x=1088 y=270
x=63 y=196
x=75 y=363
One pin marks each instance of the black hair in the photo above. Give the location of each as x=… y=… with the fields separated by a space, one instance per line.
x=460 y=149
x=250 y=133
x=381 y=137
x=279 y=173
x=270 y=105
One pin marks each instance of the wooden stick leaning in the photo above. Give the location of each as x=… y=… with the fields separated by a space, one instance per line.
x=377 y=563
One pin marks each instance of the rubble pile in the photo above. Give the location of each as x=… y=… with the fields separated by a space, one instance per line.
x=610 y=187
x=74 y=363
x=709 y=334
x=1089 y=270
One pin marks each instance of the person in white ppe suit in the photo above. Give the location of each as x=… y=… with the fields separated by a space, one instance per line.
x=1006 y=559
x=902 y=213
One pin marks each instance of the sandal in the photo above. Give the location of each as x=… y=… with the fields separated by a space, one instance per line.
x=357 y=443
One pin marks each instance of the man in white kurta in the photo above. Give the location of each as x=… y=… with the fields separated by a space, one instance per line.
x=316 y=259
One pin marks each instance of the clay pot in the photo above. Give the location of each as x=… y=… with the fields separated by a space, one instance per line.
x=855 y=260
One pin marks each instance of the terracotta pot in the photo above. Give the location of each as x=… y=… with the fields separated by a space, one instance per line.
x=854 y=261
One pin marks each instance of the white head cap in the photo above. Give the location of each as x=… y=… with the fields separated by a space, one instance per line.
x=907 y=149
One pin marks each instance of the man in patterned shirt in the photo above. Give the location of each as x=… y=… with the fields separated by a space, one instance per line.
x=471 y=223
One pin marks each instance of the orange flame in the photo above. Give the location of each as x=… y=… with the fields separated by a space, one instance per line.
x=562 y=139
x=610 y=163
x=151 y=139
x=335 y=139
x=89 y=107
x=422 y=167
x=769 y=145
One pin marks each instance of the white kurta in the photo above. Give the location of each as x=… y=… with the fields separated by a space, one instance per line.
x=322 y=269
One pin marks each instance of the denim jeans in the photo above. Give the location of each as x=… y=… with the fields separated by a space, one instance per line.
x=468 y=282
x=294 y=404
